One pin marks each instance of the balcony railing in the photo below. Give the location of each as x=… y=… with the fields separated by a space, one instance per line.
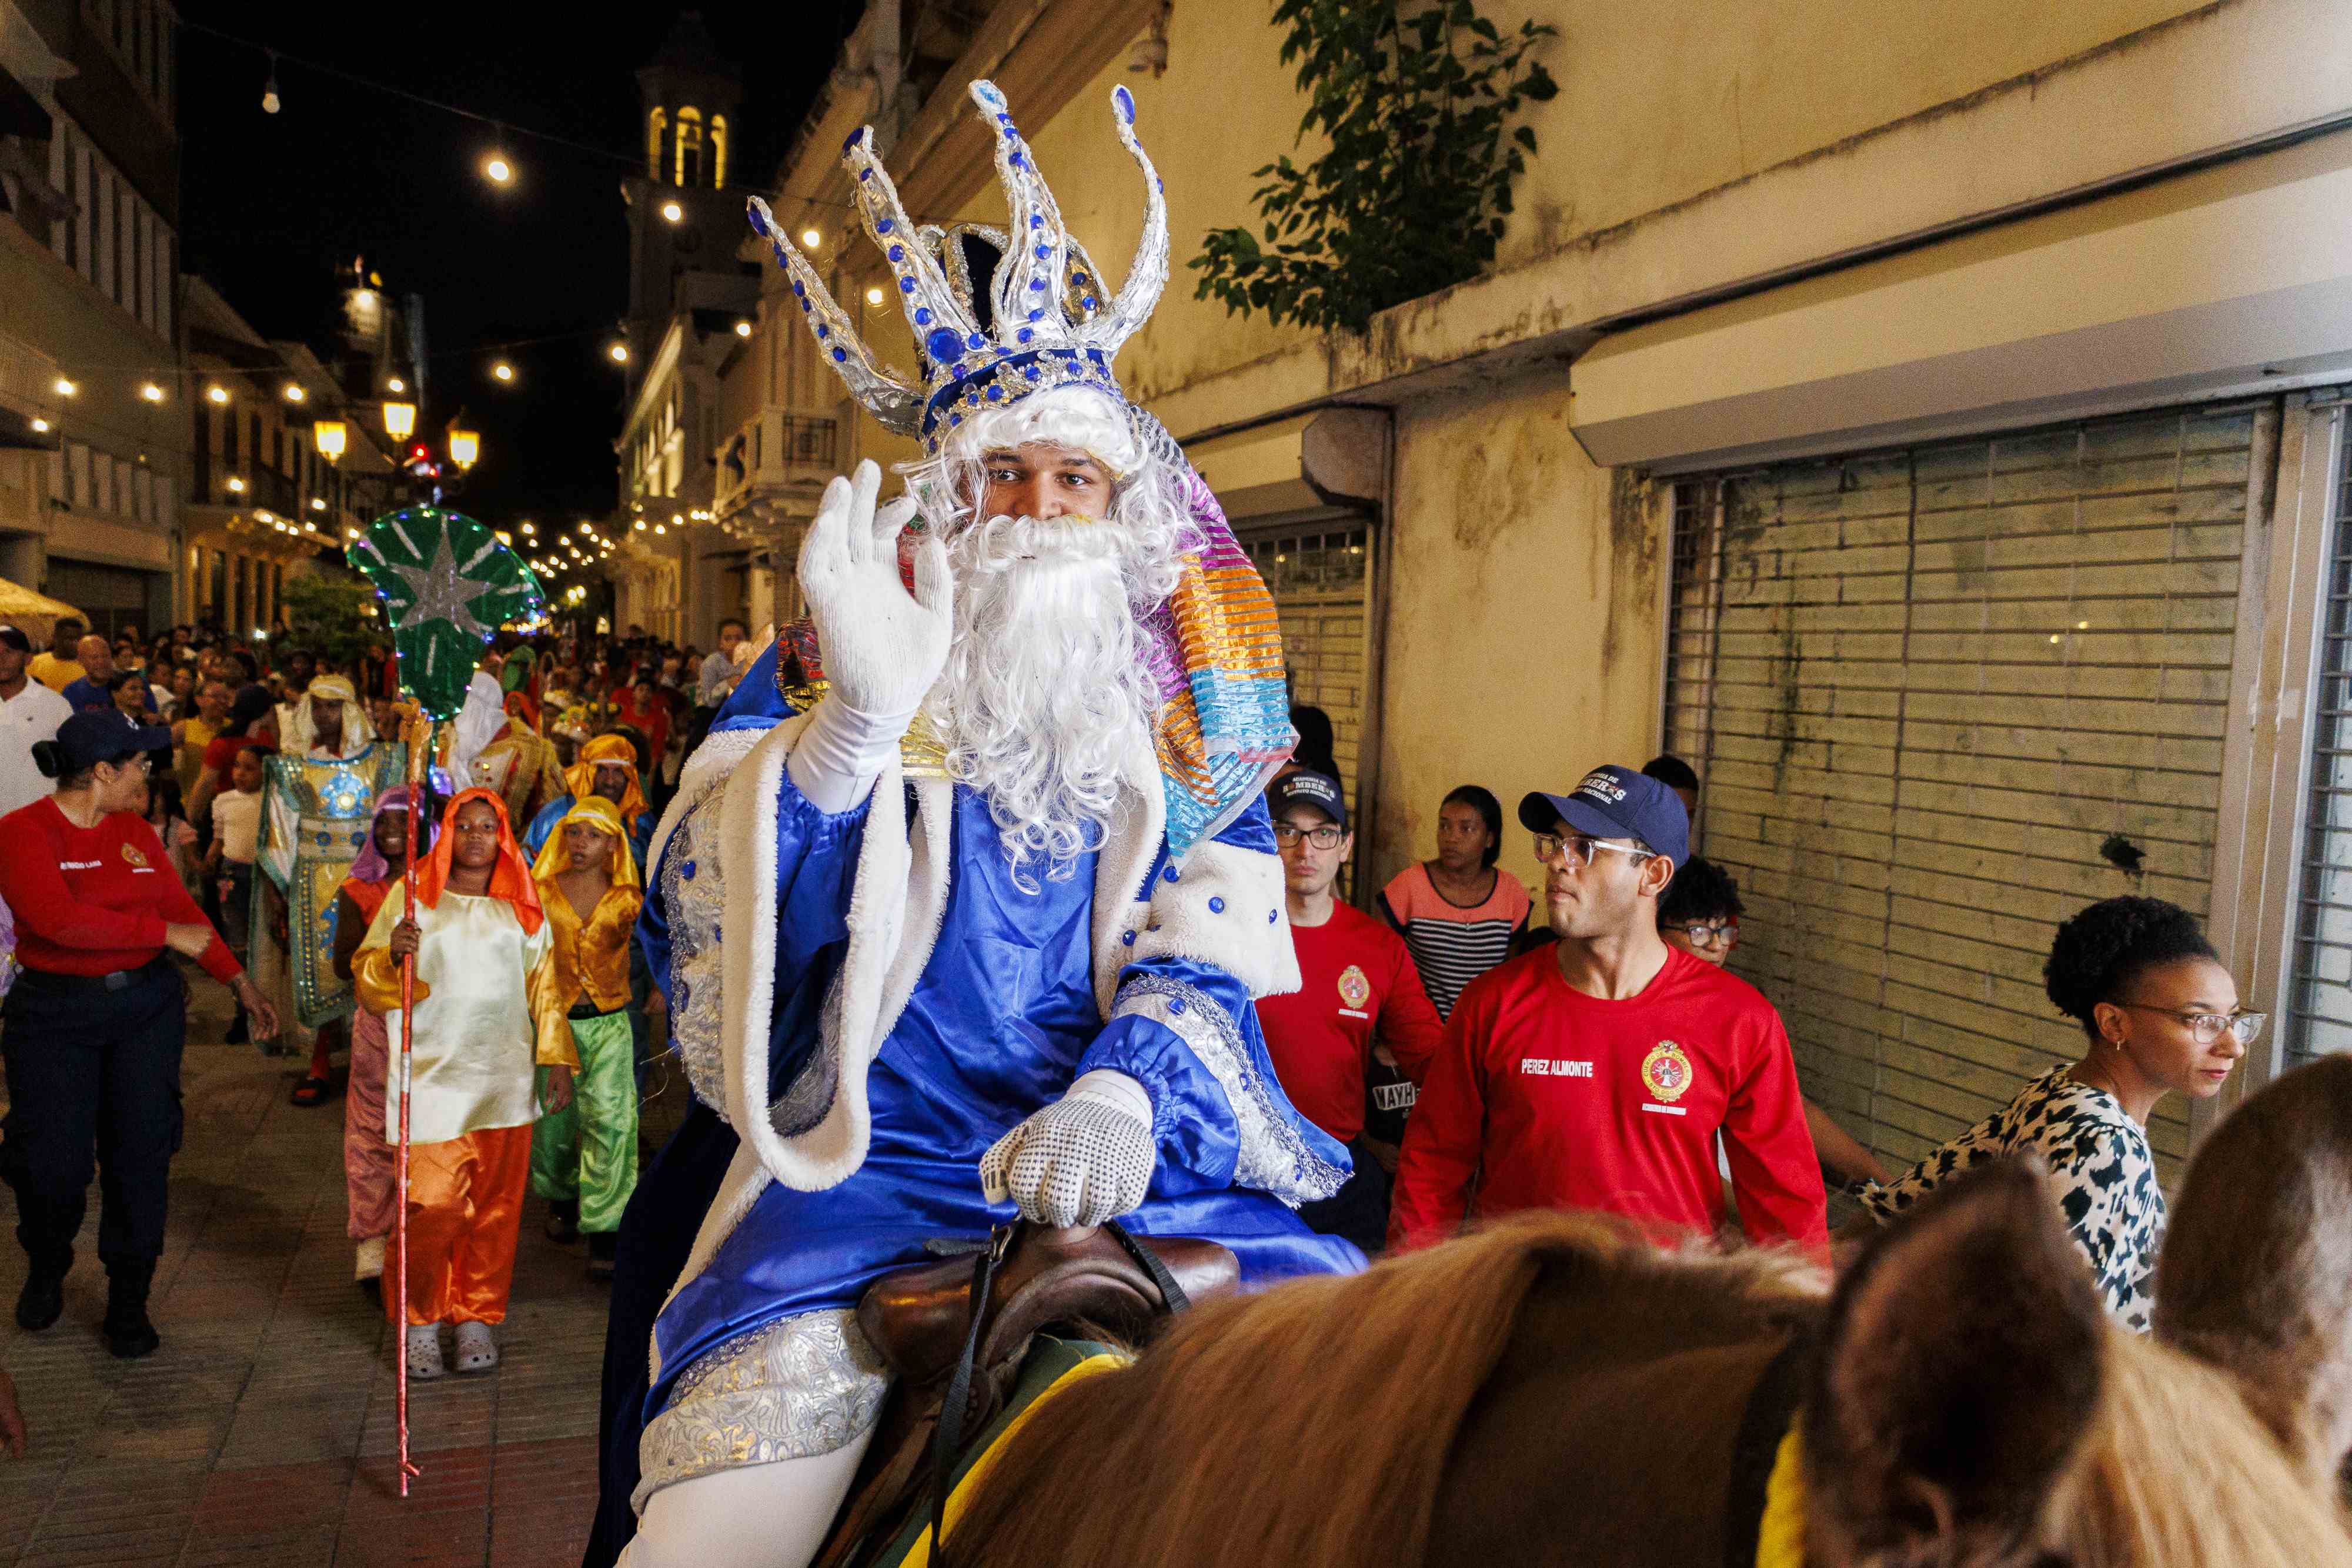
x=777 y=459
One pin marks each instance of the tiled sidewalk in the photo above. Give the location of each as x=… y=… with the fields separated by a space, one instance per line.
x=262 y=1432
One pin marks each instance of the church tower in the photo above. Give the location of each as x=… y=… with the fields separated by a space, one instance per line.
x=682 y=218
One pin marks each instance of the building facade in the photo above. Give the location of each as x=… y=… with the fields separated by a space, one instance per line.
x=267 y=498
x=1933 y=431
x=90 y=501
x=690 y=304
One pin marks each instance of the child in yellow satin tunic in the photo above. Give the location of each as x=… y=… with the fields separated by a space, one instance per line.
x=487 y=1015
x=583 y=1158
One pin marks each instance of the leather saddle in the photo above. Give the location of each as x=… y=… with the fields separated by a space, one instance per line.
x=921 y=1319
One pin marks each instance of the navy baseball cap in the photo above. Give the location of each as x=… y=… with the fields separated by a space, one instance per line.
x=106 y=735
x=1615 y=802
x=1308 y=787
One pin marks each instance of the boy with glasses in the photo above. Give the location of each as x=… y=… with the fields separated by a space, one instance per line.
x=1598 y=1073
x=1357 y=986
x=1700 y=915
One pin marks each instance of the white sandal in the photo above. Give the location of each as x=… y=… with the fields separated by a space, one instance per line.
x=424 y=1352
x=477 y=1352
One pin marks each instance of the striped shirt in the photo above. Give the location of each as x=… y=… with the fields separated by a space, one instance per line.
x=1453 y=943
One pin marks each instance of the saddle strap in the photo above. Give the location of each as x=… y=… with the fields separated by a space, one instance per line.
x=1172 y=1299
x=955 y=1405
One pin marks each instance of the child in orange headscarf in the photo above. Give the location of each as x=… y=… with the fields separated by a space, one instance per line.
x=487 y=1015
x=583 y=1158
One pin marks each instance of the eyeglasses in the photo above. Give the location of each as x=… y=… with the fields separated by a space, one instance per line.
x=1323 y=837
x=137 y=762
x=2207 y=1027
x=1706 y=934
x=1578 y=847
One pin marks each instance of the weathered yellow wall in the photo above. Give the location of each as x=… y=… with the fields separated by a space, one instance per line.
x=1226 y=107
x=1523 y=639
x=1659 y=103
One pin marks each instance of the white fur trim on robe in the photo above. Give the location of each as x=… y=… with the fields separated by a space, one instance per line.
x=898 y=899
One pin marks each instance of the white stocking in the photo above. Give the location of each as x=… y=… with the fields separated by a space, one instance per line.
x=759 y=1516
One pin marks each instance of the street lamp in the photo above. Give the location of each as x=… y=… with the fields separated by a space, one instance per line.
x=217 y=395
x=465 y=445
x=151 y=391
x=743 y=329
x=64 y=388
x=672 y=212
x=330 y=434
x=619 y=353
x=502 y=371
x=399 y=419
x=294 y=393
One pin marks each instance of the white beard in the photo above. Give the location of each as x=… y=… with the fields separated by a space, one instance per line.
x=1044 y=691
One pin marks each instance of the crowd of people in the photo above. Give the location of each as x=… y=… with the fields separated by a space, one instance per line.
x=1470 y=1062
x=244 y=804
x=1608 y=1063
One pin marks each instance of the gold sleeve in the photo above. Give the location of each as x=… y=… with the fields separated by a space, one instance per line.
x=375 y=978
x=551 y=1013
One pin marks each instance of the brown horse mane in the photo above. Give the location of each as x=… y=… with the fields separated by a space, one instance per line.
x=1314 y=1422
x=2176 y=1470
x=1312 y=1425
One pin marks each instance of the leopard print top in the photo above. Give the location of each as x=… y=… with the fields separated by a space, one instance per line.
x=2100 y=1164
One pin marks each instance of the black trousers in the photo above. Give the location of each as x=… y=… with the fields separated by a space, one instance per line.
x=1358 y=1212
x=93 y=1082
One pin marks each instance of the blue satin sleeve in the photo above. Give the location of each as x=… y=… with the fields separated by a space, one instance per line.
x=1204 y=1110
x=543 y=828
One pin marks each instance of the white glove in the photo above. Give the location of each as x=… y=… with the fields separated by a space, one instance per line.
x=882 y=648
x=1085 y=1158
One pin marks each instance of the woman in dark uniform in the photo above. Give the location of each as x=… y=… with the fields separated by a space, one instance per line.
x=95 y=1020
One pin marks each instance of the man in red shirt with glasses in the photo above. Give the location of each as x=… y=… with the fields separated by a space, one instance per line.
x=1598 y=1073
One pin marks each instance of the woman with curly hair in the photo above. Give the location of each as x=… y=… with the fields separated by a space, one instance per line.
x=2162 y=1014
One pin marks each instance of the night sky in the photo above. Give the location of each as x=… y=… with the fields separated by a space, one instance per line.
x=272 y=205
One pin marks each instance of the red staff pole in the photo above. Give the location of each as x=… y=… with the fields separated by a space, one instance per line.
x=419 y=751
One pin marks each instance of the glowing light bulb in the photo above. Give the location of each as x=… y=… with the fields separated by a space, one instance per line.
x=294 y=393
x=811 y=239
x=152 y=392
x=502 y=371
x=672 y=212
x=874 y=296
x=499 y=170
x=217 y=395
x=395 y=384
x=619 y=352
x=743 y=329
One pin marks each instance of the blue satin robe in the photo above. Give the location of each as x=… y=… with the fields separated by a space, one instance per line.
x=1000 y=1024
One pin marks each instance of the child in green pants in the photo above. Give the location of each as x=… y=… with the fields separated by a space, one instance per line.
x=583 y=1158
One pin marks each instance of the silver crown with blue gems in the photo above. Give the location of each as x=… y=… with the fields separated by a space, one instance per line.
x=1047 y=323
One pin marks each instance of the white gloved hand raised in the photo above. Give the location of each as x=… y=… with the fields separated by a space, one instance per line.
x=1085 y=1158
x=882 y=648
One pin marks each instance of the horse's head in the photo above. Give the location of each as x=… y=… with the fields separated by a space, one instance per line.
x=1972 y=1406
x=2256 y=1277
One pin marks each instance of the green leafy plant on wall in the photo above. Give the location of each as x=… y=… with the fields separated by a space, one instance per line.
x=327 y=613
x=1417 y=105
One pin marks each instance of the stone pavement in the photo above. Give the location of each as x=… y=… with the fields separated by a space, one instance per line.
x=262 y=1432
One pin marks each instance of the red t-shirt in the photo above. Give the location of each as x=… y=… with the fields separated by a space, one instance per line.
x=1559 y=1100
x=89 y=900
x=1356 y=978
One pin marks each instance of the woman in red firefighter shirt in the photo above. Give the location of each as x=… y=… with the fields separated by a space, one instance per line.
x=1597 y=1074
x=95 y=1020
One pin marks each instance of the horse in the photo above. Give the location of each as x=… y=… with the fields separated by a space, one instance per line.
x=1553 y=1389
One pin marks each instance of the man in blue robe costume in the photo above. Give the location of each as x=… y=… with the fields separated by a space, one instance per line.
x=920 y=1002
